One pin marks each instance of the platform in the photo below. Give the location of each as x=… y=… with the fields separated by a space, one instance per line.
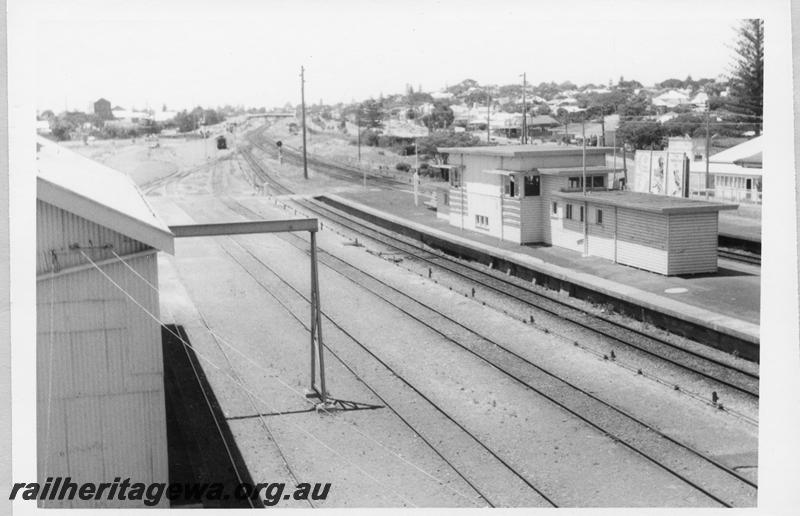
x=727 y=302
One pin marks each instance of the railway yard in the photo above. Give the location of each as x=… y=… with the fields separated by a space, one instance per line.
x=461 y=383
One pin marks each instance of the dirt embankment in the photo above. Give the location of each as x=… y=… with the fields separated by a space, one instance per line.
x=143 y=161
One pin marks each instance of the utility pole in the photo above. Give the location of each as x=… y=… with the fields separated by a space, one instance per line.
x=585 y=206
x=603 y=130
x=358 y=130
x=708 y=146
x=303 y=109
x=524 y=109
x=415 y=177
x=583 y=158
x=489 y=120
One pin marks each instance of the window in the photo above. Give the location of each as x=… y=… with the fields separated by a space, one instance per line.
x=481 y=221
x=509 y=186
x=532 y=188
x=598 y=181
x=569 y=212
x=555 y=208
x=581 y=213
x=455 y=178
x=599 y=217
x=575 y=182
x=698 y=157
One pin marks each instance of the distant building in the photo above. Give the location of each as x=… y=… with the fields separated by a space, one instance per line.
x=102 y=108
x=734 y=174
x=680 y=171
x=671 y=99
x=535 y=194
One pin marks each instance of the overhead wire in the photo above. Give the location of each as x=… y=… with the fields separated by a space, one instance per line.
x=245 y=388
x=300 y=394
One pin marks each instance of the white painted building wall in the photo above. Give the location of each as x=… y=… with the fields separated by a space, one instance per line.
x=602 y=237
x=642 y=240
x=100 y=389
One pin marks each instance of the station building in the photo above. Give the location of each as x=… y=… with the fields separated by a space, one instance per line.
x=531 y=194
x=100 y=387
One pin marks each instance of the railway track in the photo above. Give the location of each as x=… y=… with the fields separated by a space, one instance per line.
x=739 y=256
x=338 y=171
x=722 y=373
x=714 y=479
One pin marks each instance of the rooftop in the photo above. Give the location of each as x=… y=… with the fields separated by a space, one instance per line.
x=97 y=193
x=739 y=152
x=522 y=151
x=564 y=171
x=646 y=201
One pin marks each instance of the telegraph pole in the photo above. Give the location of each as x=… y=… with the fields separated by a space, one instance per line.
x=585 y=206
x=524 y=109
x=708 y=146
x=583 y=158
x=488 y=120
x=303 y=109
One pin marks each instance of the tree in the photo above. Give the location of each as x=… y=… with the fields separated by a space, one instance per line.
x=688 y=124
x=641 y=134
x=635 y=106
x=747 y=78
x=429 y=145
x=671 y=83
x=185 y=121
x=440 y=118
x=371 y=114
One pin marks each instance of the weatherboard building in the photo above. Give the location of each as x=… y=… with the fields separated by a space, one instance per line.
x=536 y=194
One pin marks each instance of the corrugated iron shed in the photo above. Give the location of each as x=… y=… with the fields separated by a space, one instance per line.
x=100 y=389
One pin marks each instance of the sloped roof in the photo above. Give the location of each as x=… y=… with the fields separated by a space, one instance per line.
x=739 y=152
x=753 y=161
x=646 y=201
x=97 y=193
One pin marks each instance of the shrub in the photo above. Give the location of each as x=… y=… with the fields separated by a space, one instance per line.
x=403 y=166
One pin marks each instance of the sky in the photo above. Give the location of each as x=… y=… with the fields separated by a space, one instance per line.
x=181 y=54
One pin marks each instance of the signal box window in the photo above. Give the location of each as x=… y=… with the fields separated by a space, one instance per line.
x=455 y=178
x=599 y=218
x=581 y=213
x=555 y=208
x=481 y=221
x=532 y=186
x=568 y=213
x=598 y=181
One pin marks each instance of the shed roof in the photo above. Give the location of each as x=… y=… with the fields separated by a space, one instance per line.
x=569 y=171
x=523 y=151
x=754 y=161
x=646 y=201
x=98 y=193
x=739 y=152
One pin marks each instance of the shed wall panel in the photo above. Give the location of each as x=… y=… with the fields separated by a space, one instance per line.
x=105 y=392
x=642 y=240
x=693 y=243
x=602 y=236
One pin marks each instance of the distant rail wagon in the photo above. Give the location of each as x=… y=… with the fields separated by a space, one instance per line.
x=222 y=143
